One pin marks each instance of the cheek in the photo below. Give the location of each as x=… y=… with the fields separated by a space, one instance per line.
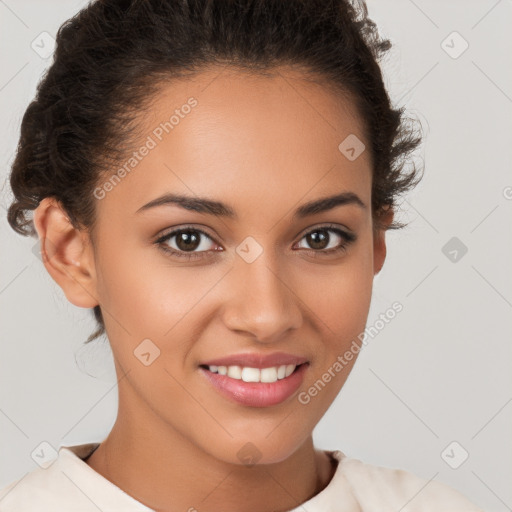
x=340 y=295
x=340 y=307
x=146 y=293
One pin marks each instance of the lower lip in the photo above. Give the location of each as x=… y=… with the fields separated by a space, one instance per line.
x=257 y=394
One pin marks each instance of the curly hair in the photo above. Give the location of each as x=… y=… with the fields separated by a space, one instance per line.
x=112 y=56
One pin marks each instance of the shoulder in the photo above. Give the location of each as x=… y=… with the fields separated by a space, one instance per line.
x=65 y=483
x=396 y=489
x=34 y=488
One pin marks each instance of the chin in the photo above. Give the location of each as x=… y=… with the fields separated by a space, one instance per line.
x=258 y=449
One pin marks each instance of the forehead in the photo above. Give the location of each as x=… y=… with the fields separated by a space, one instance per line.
x=241 y=136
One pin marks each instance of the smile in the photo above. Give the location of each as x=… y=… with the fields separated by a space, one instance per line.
x=248 y=374
x=255 y=387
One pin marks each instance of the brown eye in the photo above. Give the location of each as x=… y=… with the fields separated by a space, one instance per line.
x=189 y=243
x=187 y=240
x=320 y=239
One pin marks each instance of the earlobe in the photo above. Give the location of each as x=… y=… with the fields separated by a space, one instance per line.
x=66 y=253
x=379 y=252
x=379 y=244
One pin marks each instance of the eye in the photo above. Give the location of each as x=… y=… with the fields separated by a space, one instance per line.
x=186 y=241
x=321 y=242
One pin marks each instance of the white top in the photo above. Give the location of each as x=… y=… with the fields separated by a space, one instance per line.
x=70 y=484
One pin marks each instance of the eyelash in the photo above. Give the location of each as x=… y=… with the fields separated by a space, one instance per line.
x=160 y=242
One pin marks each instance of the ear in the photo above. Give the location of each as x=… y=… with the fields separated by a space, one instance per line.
x=379 y=239
x=66 y=253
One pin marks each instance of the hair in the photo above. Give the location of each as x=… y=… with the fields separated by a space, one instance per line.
x=111 y=57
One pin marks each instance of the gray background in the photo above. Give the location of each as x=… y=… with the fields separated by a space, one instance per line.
x=439 y=372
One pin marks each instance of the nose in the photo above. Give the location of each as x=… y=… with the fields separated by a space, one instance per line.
x=263 y=302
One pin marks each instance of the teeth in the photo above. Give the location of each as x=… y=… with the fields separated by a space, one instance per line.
x=248 y=374
x=268 y=375
x=289 y=369
x=235 y=372
x=251 y=375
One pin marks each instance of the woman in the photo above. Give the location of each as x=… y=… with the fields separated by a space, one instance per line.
x=215 y=179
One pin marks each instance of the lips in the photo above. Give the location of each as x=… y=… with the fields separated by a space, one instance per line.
x=256 y=394
x=256 y=380
x=252 y=360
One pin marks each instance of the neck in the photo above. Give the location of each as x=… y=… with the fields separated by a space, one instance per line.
x=177 y=475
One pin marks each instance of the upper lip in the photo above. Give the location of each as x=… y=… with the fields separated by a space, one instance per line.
x=252 y=360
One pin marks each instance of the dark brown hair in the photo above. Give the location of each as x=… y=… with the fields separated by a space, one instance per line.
x=111 y=57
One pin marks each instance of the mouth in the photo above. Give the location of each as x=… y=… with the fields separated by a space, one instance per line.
x=255 y=387
x=249 y=374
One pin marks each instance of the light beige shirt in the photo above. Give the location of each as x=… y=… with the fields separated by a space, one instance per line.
x=69 y=484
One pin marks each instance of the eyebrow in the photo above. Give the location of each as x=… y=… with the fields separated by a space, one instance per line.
x=218 y=209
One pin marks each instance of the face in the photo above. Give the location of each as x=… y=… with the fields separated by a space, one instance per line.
x=255 y=277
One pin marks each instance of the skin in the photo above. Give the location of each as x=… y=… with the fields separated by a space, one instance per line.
x=264 y=145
